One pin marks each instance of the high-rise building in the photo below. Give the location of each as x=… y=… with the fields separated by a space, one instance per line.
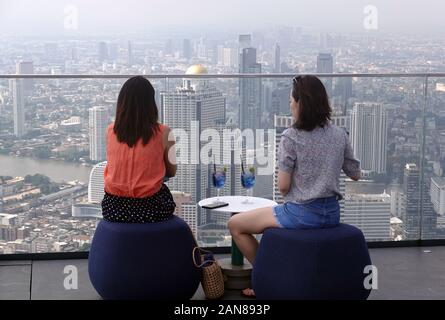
x=186 y=209
x=244 y=42
x=369 y=136
x=325 y=64
x=418 y=213
x=8 y=233
x=437 y=193
x=277 y=58
x=411 y=202
x=344 y=90
x=98 y=122
x=19 y=108
x=96 y=184
x=130 y=61
x=26 y=67
x=113 y=52
x=8 y=219
x=21 y=89
x=371 y=213
x=227 y=57
x=191 y=108
x=74 y=54
x=168 y=48
x=187 y=49
x=341 y=121
x=1 y=193
x=280 y=99
x=103 y=51
x=250 y=91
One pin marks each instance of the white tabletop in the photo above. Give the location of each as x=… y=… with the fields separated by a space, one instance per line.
x=236 y=204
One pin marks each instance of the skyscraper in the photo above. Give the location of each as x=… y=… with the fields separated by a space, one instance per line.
x=411 y=202
x=371 y=213
x=344 y=90
x=98 y=122
x=130 y=54
x=19 y=108
x=277 y=58
x=227 y=57
x=437 y=192
x=21 y=89
x=193 y=107
x=325 y=64
x=280 y=99
x=1 y=193
x=250 y=91
x=26 y=67
x=418 y=214
x=103 y=51
x=186 y=209
x=369 y=136
x=96 y=184
x=168 y=48
x=74 y=54
x=244 y=41
x=113 y=52
x=187 y=49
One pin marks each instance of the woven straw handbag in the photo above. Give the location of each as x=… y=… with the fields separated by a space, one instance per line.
x=212 y=279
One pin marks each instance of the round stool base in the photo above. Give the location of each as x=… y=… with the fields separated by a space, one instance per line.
x=238 y=277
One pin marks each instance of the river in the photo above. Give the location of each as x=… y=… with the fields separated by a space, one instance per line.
x=57 y=171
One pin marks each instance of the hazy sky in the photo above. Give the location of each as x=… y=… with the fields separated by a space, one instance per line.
x=47 y=16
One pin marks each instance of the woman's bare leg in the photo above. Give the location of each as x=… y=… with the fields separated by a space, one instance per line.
x=244 y=225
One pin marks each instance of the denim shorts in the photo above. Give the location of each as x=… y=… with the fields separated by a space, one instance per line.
x=315 y=214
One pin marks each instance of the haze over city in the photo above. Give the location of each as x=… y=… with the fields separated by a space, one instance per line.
x=45 y=17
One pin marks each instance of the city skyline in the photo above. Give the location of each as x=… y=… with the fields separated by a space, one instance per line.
x=55 y=213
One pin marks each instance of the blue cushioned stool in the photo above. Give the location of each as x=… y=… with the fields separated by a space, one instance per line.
x=143 y=261
x=311 y=264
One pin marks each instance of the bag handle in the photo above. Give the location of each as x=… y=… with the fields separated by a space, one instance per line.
x=194 y=257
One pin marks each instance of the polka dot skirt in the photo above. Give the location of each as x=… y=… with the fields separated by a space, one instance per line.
x=157 y=208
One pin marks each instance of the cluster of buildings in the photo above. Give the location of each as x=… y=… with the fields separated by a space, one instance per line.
x=401 y=197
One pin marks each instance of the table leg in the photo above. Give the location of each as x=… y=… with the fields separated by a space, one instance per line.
x=237 y=256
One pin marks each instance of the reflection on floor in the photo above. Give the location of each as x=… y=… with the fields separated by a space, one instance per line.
x=404 y=273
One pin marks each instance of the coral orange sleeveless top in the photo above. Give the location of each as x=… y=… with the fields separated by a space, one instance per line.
x=136 y=172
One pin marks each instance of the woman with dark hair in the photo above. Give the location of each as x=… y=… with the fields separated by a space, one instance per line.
x=311 y=155
x=140 y=154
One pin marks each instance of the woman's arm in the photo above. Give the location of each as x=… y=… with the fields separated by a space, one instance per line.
x=169 y=153
x=284 y=182
x=351 y=166
x=287 y=164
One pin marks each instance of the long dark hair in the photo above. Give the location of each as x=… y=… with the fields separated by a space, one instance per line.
x=314 y=109
x=136 y=112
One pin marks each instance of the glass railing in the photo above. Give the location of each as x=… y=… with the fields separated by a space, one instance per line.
x=52 y=151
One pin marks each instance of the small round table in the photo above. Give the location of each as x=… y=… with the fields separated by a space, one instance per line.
x=237 y=270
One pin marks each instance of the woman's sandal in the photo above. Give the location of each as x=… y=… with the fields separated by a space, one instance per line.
x=248 y=293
